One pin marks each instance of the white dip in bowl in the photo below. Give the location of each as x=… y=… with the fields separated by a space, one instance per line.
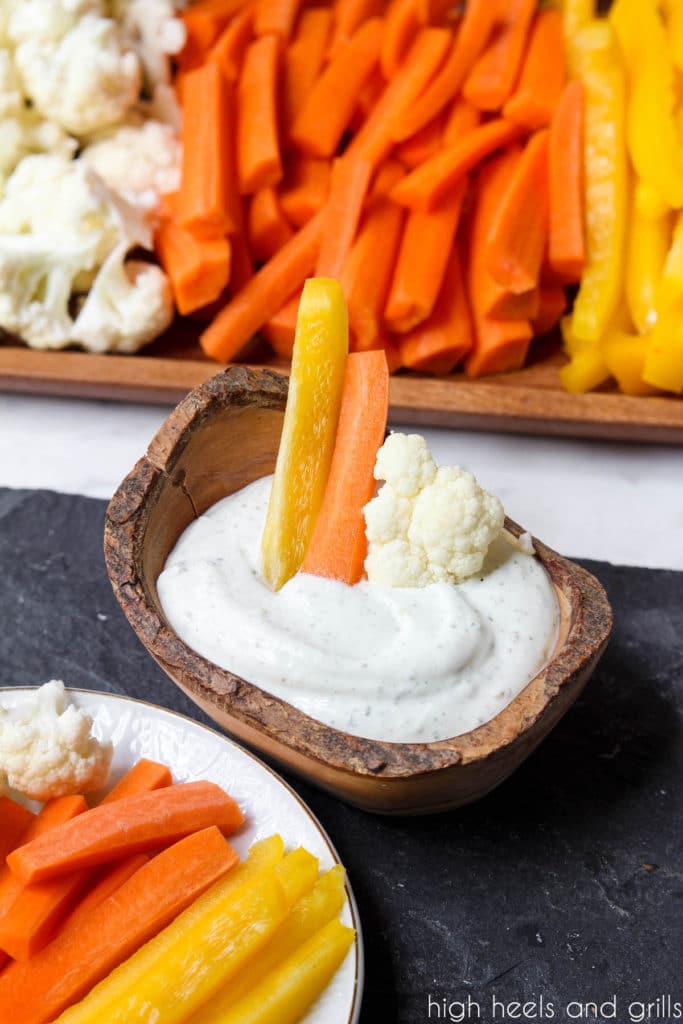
x=410 y=665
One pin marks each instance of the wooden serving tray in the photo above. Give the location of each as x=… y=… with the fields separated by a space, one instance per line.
x=529 y=401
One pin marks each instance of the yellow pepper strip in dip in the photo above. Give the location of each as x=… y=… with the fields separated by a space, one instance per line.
x=289 y=990
x=664 y=359
x=599 y=66
x=649 y=236
x=654 y=143
x=303 y=463
x=313 y=911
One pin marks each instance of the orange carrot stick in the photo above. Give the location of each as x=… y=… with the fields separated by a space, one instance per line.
x=401 y=24
x=268 y=227
x=53 y=813
x=477 y=25
x=14 y=821
x=338 y=547
x=134 y=824
x=441 y=341
x=264 y=294
x=567 y=244
x=388 y=344
x=350 y=182
x=37 y=991
x=204 y=21
x=424 y=187
x=462 y=118
x=280 y=330
x=277 y=16
x=422 y=62
x=552 y=304
x=198 y=269
x=144 y=777
x=258 y=148
x=329 y=106
x=241 y=263
x=492 y=78
x=303 y=61
x=422 y=260
x=519 y=231
x=349 y=15
x=206 y=200
x=423 y=144
x=105 y=882
x=543 y=74
x=229 y=49
x=368 y=99
x=501 y=304
x=31 y=918
x=368 y=270
x=305 y=189
x=497 y=344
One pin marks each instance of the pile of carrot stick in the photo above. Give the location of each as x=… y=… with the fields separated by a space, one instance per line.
x=81 y=889
x=428 y=155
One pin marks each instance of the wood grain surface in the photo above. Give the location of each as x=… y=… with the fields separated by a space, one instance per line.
x=529 y=401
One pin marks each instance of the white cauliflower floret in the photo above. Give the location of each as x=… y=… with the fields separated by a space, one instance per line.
x=128 y=305
x=406 y=463
x=387 y=516
x=141 y=162
x=49 y=194
x=397 y=564
x=47 y=20
x=152 y=30
x=61 y=229
x=454 y=522
x=11 y=96
x=27 y=133
x=47 y=750
x=426 y=525
x=84 y=81
x=36 y=282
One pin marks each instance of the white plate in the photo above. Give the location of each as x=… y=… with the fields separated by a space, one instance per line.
x=194 y=752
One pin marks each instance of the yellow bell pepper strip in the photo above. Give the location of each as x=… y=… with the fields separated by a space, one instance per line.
x=287 y=992
x=673 y=14
x=625 y=357
x=586 y=368
x=664 y=358
x=321 y=345
x=600 y=68
x=649 y=236
x=575 y=15
x=313 y=911
x=654 y=143
x=175 y=973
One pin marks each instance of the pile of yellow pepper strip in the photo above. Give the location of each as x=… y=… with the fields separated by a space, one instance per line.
x=627 y=320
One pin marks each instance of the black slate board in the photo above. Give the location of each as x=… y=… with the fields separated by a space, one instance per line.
x=565 y=884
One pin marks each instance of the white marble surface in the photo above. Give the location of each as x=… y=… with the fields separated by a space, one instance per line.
x=619 y=503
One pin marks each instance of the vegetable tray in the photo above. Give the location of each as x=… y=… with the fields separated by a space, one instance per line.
x=529 y=401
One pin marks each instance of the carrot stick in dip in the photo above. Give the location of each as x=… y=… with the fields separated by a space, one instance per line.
x=338 y=546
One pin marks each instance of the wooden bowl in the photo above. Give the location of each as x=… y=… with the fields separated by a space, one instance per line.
x=224 y=435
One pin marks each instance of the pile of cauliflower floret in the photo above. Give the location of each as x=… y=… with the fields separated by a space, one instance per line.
x=426 y=525
x=88 y=144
